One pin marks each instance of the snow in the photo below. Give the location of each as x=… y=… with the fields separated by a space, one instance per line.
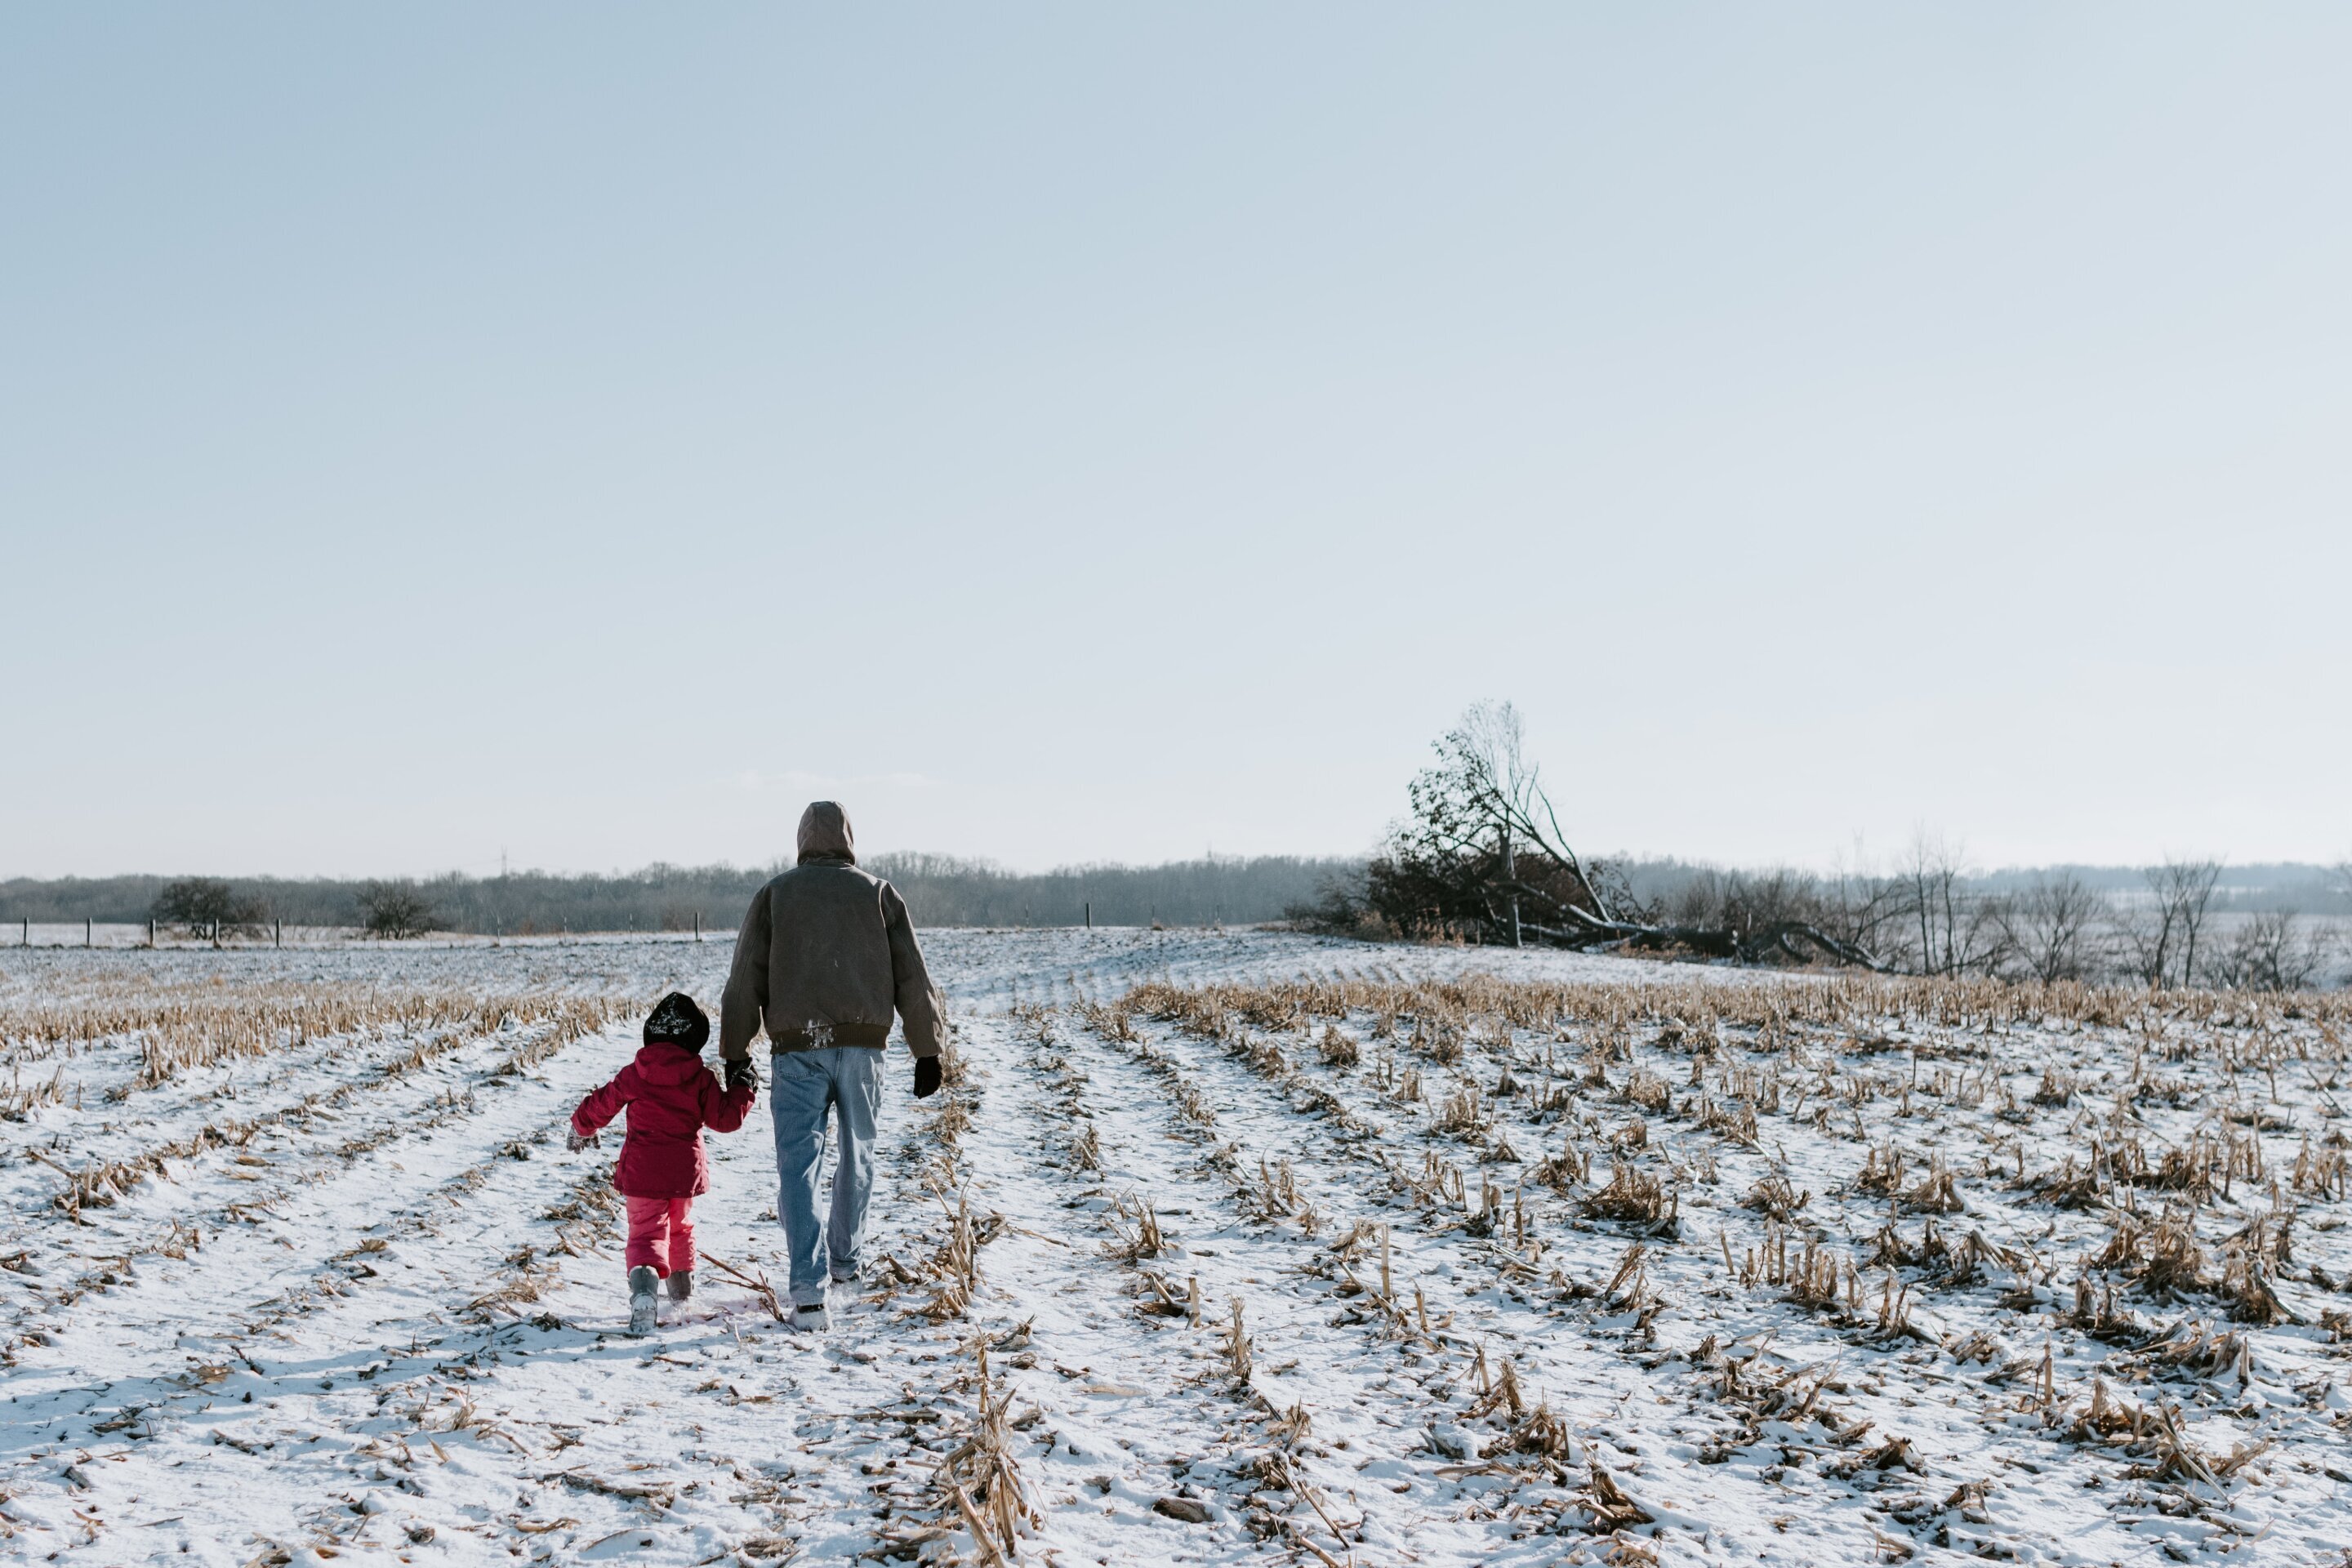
x=374 y=1312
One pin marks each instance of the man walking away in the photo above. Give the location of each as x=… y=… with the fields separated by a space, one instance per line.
x=826 y=955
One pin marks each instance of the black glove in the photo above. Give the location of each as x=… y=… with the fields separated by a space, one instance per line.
x=927 y=1077
x=741 y=1073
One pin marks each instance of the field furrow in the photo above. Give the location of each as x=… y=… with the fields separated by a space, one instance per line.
x=1218 y=1247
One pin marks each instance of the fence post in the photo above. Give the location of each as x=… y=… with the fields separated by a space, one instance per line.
x=278 y=933
x=85 y=931
x=1090 y=914
x=698 y=925
x=27 y=940
x=151 y=931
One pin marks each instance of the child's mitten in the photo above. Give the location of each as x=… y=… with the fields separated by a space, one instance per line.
x=573 y=1142
x=741 y=1073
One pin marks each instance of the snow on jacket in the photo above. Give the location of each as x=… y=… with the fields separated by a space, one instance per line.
x=826 y=954
x=670 y=1098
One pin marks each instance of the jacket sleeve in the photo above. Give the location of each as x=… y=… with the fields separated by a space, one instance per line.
x=605 y=1103
x=920 y=1007
x=723 y=1110
x=746 y=996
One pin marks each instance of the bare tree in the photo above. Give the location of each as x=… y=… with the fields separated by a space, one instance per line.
x=208 y=905
x=1864 y=910
x=1483 y=854
x=2269 y=953
x=1453 y=865
x=398 y=909
x=2162 y=936
x=2052 y=927
x=1931 y=871
x=1958 y=932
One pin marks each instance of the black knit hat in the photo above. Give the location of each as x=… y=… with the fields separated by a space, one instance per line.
x=677 y=1019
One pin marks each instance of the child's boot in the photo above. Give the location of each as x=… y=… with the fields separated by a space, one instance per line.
x=681 y=1284
x=642 y=1317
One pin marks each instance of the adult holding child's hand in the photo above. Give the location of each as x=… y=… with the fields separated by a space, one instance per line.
x=825 y=957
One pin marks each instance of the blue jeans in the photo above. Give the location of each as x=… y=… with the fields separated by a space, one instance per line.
x=847 y=1081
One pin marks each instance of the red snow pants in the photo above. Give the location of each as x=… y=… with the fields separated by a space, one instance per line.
x=661 y=1235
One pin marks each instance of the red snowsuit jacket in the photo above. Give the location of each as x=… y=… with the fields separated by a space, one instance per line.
x=671 y=1098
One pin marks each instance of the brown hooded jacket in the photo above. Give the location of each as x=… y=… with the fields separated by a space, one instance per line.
x=826 y=955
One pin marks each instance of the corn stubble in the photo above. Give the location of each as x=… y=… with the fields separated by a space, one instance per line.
x=2104 y=1169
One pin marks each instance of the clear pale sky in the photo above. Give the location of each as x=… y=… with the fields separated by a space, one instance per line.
x=1074 y=432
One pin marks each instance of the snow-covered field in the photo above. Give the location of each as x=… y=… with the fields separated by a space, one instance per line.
x=1592 y=1259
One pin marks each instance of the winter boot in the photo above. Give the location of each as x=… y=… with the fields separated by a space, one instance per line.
x=681 y=1284
x=642 y=1316
x=808 y=1318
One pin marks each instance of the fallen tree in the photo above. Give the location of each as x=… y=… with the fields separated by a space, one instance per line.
x=1482 y=857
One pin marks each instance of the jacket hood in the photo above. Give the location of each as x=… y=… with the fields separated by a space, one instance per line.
x=675 y=1018
x=825 y=833
x=664 y=1063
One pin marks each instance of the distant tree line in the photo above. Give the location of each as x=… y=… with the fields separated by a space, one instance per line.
x=2169 y=926
x=1481 y=856
x=940 y=891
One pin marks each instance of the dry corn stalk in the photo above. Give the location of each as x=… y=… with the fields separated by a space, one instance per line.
x=1236 y=1346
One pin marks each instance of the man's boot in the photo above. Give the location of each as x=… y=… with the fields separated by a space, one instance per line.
x=642 y=1316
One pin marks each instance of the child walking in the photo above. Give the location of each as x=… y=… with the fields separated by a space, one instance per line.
x=671 y=1097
